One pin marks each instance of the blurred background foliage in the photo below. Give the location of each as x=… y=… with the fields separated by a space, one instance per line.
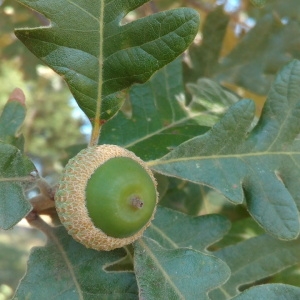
x=241 y=45
x=52 y=122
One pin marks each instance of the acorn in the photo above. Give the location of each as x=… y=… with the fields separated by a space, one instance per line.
x=106 y=197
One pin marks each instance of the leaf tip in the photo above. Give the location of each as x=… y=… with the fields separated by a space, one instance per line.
x=194 y=15
x=18 y=96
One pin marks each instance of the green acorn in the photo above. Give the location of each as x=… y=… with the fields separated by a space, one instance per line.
x=107 y=197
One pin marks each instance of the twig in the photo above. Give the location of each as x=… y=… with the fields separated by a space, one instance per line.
x=37 y=222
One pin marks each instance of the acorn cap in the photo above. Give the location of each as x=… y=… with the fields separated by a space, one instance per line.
x=70 y=199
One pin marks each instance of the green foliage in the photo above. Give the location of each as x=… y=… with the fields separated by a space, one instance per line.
x=65 y=269
x=166 y=225
x=97 y=57
x=15 y=173
x=270 y=291
x=257 y=55
x=15 y=248
x=209 y=96
x=204 y=57
x=259 y=3
x=240 y=230
x=205 y=143
x=11 y=119
x=49 y=126
x=15 y=168
x=254 y=158
x=265 y=257
x=164 y=121
x=73 y=263
x=175 y=273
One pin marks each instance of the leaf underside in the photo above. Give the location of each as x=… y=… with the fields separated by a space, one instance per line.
x=71 y=271
x=270 y=291
x=172 y=229
x=65 y=269
x=180 y=273
x=261 y=166
x=253 y=260
x=97 y=56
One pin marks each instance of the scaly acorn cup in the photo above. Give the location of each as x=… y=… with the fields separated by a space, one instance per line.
x=106 y=198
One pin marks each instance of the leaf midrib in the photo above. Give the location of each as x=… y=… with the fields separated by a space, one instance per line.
x=219 y=156
x=288 y=114
x=68 y=263
x=166 y=275
x=164 y=236
x=16 y=179
x=162 y=129
x=100 y=62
